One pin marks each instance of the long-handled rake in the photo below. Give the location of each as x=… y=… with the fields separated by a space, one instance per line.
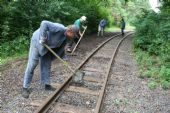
x=77 y=74
x=78 y=41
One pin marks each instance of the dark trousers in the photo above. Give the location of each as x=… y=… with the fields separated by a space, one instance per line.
x=45 y=64
x=70 y=42
x=122 y=31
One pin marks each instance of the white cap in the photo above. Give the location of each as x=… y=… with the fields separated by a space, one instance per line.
x=83 y=18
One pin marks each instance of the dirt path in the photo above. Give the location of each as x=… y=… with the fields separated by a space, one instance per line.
x=126 y=92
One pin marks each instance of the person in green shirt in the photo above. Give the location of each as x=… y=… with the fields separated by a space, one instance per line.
x=78 y=23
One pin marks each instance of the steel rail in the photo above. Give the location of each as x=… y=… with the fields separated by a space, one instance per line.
x=101 y=95
x=54 y=96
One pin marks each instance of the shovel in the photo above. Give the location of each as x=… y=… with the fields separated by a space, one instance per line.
x=77 y=74
x=78 y=41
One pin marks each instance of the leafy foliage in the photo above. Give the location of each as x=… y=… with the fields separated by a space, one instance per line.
x=152 y=85
x=12 y=48
x=128 y=9
x=151 y=43
x=19 y=18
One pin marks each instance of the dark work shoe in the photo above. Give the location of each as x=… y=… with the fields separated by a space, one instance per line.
x=25 y=92
x=49 y=87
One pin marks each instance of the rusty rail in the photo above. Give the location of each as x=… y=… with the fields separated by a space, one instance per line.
x=101 y=96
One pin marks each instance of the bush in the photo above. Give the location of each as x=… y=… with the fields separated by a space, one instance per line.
x=165 y=85
x=12 y=48
x=19 y=18
x=152 y=85
x=151 y=43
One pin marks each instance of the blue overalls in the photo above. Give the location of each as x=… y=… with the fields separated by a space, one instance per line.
x=54 y=34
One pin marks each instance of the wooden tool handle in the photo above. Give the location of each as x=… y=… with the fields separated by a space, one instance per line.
x=64 y=62
x=78 y=41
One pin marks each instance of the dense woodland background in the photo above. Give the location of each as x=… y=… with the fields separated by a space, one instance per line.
x=19 y=18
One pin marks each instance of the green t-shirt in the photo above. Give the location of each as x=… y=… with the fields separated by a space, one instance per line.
x=77 y=23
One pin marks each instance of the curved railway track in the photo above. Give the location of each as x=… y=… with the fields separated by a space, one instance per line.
x=97 y=68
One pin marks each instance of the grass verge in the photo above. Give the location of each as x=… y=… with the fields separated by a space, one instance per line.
x=117 y=29
x=11 y=58
x=153 y=68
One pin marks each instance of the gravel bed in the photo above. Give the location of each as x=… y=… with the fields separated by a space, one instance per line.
x=93 y=74
x=126 y=93
x=89 y=85
x=78 y=99
x=12 y=79
x=97 y=63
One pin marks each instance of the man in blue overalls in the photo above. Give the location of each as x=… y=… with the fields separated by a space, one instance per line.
x=54 y=35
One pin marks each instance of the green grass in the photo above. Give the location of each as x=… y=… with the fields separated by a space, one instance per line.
x=152 y=85
x=165 y=85
x=112 y=29
x=11 y=58
x=119 y=102
x=152 y=67
x=115 y=28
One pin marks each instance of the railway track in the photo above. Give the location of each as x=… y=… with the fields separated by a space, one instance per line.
x=88 y=97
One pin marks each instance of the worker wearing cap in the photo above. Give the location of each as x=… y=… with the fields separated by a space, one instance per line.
x=78 y=23
x=54 y=35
